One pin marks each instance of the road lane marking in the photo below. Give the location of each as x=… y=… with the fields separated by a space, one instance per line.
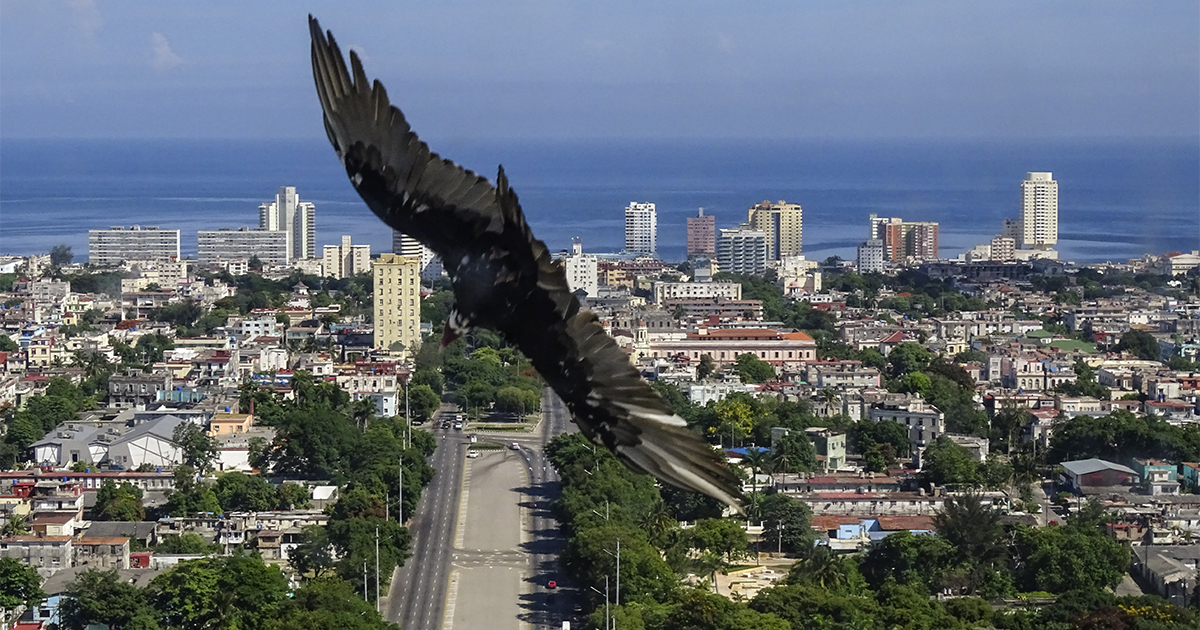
x=451 y=601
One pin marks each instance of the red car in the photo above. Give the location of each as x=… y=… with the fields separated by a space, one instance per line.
x=551 y=584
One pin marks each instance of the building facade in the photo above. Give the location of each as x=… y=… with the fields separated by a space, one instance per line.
x=783 y=225
x=870 y=256
x=405 y=245
x=219 y=246
x=294 y=217
x=742 y=250
x=1039 y=211
x=1003 y=248
x=582 y=270
x=696 y=290
x=701 y=235
x=641 y=228
x=397 y=302
x=118 y=244
x=345 y=260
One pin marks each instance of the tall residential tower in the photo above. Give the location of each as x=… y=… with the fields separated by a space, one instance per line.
x=783 y=223
x=297 y=218
x=1039 y=211
x=641 y=228
x=397 y=302
x=701 y=235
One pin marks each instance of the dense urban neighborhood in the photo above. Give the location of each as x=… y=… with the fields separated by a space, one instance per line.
x=925 y=444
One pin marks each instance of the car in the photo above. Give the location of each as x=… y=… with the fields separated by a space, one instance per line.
x=458 y=426
x=446 y=424
x=551 y=584
x=472 y=454
x=514 y=446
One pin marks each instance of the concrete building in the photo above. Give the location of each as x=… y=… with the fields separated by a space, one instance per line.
x=1002 y=248
x=724 y=346
x=294 y=217
x=1087 y=474
x=118 y=244
x=641 y=228
x=783 y=225
x=583 y=270
x=219 y=246
x=405 y=245
x=871 y=256
x=1039 y=211
x=920 y=239
x=923 y=421
x=696 y=290
x=136 y=390
x=345 y=260
x=701 y=235
x=397 y=302
x=830 y=446
x=742 y=250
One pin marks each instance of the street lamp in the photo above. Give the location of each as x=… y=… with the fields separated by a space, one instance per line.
x=605 y=514
x=618 y=557
x=607 y=617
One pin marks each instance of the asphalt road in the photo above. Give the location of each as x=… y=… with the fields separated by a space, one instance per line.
x=418 y=589
x=418 y=592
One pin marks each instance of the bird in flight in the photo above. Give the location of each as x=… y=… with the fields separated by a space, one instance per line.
x=504 y=278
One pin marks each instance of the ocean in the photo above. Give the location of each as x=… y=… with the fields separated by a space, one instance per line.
x=1118 y=199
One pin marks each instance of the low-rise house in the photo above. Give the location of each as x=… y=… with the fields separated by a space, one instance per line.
x=47 y=554
x=841 y=374
x=1090 y=475
x=230 y=423
x=850 y=533
x=830 y=446
x=136 y=390
x=1170 y=570
x=924 y=421
x=102 y=552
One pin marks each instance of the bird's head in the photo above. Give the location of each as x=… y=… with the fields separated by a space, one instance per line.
x=456 y=326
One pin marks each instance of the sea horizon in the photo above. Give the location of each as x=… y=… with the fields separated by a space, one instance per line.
x=1119 y=198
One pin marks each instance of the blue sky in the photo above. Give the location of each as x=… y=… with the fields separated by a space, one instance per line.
x=109 y=68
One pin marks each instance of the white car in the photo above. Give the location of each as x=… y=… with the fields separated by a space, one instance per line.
x=514 y=446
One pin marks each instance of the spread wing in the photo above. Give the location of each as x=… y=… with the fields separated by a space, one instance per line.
x=461 y=216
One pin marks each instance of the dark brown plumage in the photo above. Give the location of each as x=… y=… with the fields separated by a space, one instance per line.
x=504 y=278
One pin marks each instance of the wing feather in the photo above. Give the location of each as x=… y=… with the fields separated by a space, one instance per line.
x=449 y=208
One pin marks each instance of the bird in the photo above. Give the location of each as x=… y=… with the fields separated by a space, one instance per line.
x=504 y=278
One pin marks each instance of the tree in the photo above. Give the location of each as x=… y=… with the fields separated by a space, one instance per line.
x=752 y=369
x=945 y=462
x=102 y=597
x=908 y=357
x=239 y=492
x=186 y=543
x=330 y=603
x=61 y=255
x=14 y=525
x=191 y=496
x=724 y=537
x=1063 y=558
x=199 y=450
x=1141 y=344
x=292 y=496
x=974 y=529
x=119 y=503
x=235 y=592
x=756 y=461
x=706 y=367
x=794 y=453
x=19 y=585
x=787 y=522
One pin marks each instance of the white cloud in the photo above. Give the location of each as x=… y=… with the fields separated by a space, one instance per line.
x=164 y=57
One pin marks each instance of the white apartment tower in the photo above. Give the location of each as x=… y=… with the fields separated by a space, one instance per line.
x=118 y=244
x=871 y=256
x=405 y=245
x=583 y=271
x=1039 y=212
x=783 y=223
x=288 y=214
x=397 y=302
x=742 y=250
x=345 y=260
x=641 y=228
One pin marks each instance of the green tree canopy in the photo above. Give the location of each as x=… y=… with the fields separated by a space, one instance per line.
x=119 y=503
x=752 y=369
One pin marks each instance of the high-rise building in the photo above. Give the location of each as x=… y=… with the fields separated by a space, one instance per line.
x=117 y=244
x=742 y=250
x=1039 y=211
x=1003 y=248
x=582 y=270
x=405 y=245
x=701 y=235
x=297 y=218
x=397 y=302
x=783 y=223
x=871 y=256
x=920 y=239
x=641 y=228
x=345 y=260
x=225 y=245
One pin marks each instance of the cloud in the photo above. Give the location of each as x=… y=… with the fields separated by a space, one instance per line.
x=164 y=57
x=88 y=15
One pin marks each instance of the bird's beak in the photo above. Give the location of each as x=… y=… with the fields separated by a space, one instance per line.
x=448 y=335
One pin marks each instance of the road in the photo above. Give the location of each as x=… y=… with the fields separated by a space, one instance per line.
x=418 y=593
x=418 y=589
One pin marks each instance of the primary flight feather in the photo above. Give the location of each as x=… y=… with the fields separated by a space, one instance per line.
x=504 y=278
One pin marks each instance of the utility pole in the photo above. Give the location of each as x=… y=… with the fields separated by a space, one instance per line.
x=607 y=615
x=780 y=550
x=618 y=571
x=365 y=581
x=376 y=568
x=407 y=415
x=400 y=494
x=387 y=499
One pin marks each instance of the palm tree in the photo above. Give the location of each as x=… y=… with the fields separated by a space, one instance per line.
x=822 y=567
x=657 y=522
x=756 y=460
x=829 y=396
x=14 y=526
